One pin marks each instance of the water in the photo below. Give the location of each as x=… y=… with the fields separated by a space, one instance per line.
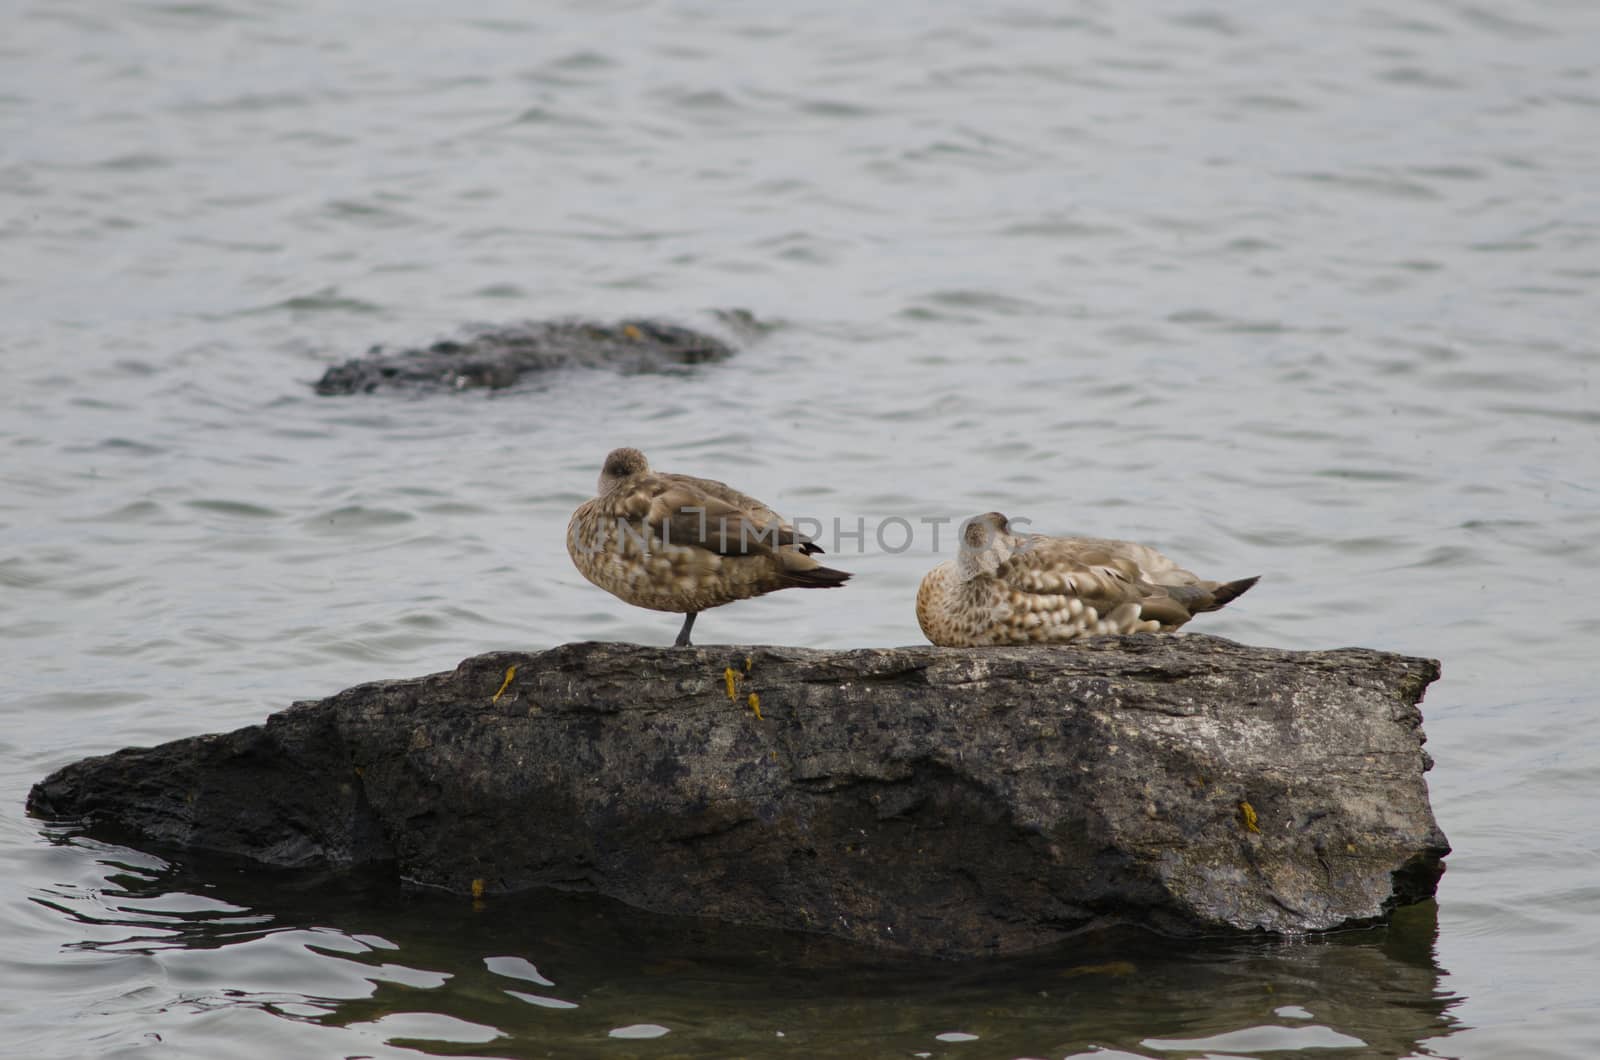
x=1295 y=290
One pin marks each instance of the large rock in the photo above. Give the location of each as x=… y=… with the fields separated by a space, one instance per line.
x=500 y=356
x=954 y=802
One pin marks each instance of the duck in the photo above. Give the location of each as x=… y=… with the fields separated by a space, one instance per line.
x=1005 y=587
x=683 y=544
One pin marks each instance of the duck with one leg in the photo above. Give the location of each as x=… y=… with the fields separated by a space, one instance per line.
x=1010 y=588
x=684 y=544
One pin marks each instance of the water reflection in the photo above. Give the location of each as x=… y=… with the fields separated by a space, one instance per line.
x=569 y=975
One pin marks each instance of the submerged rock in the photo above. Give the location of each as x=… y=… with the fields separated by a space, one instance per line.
x=940 y=801
x=499 y=357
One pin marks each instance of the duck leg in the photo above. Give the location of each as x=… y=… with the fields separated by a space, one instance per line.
x=683 y=634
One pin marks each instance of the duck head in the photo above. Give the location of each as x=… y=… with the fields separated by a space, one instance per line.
x=986 y=542
x=621 y=464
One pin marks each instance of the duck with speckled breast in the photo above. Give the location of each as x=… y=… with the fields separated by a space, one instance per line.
x=684 y=544
x=1009 y=588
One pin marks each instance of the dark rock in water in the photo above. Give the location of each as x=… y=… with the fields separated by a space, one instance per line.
x=942 y=801
x=498 y=357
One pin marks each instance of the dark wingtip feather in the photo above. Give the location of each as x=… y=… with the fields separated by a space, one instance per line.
x=818 y=578
x=1231 y=590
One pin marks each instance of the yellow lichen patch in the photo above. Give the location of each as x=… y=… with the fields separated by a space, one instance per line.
x=755 y=705
x=632 y=332
x=477 y=889
x=1247 y=814
x=733 y=682
x=511 y=674
x=748 y=662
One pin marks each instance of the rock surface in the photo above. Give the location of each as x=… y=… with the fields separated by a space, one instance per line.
x=499 y=357
x=940 y=801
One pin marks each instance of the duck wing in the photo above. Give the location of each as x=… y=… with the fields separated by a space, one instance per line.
x=753 y=510
x=679 y=512
x=1108 y=575
x=1103 y=574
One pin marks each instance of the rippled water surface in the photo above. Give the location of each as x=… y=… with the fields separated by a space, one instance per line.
x=1300 y=290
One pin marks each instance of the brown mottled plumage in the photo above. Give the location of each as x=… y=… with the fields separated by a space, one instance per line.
x=683 y=544
x=1007 y=588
